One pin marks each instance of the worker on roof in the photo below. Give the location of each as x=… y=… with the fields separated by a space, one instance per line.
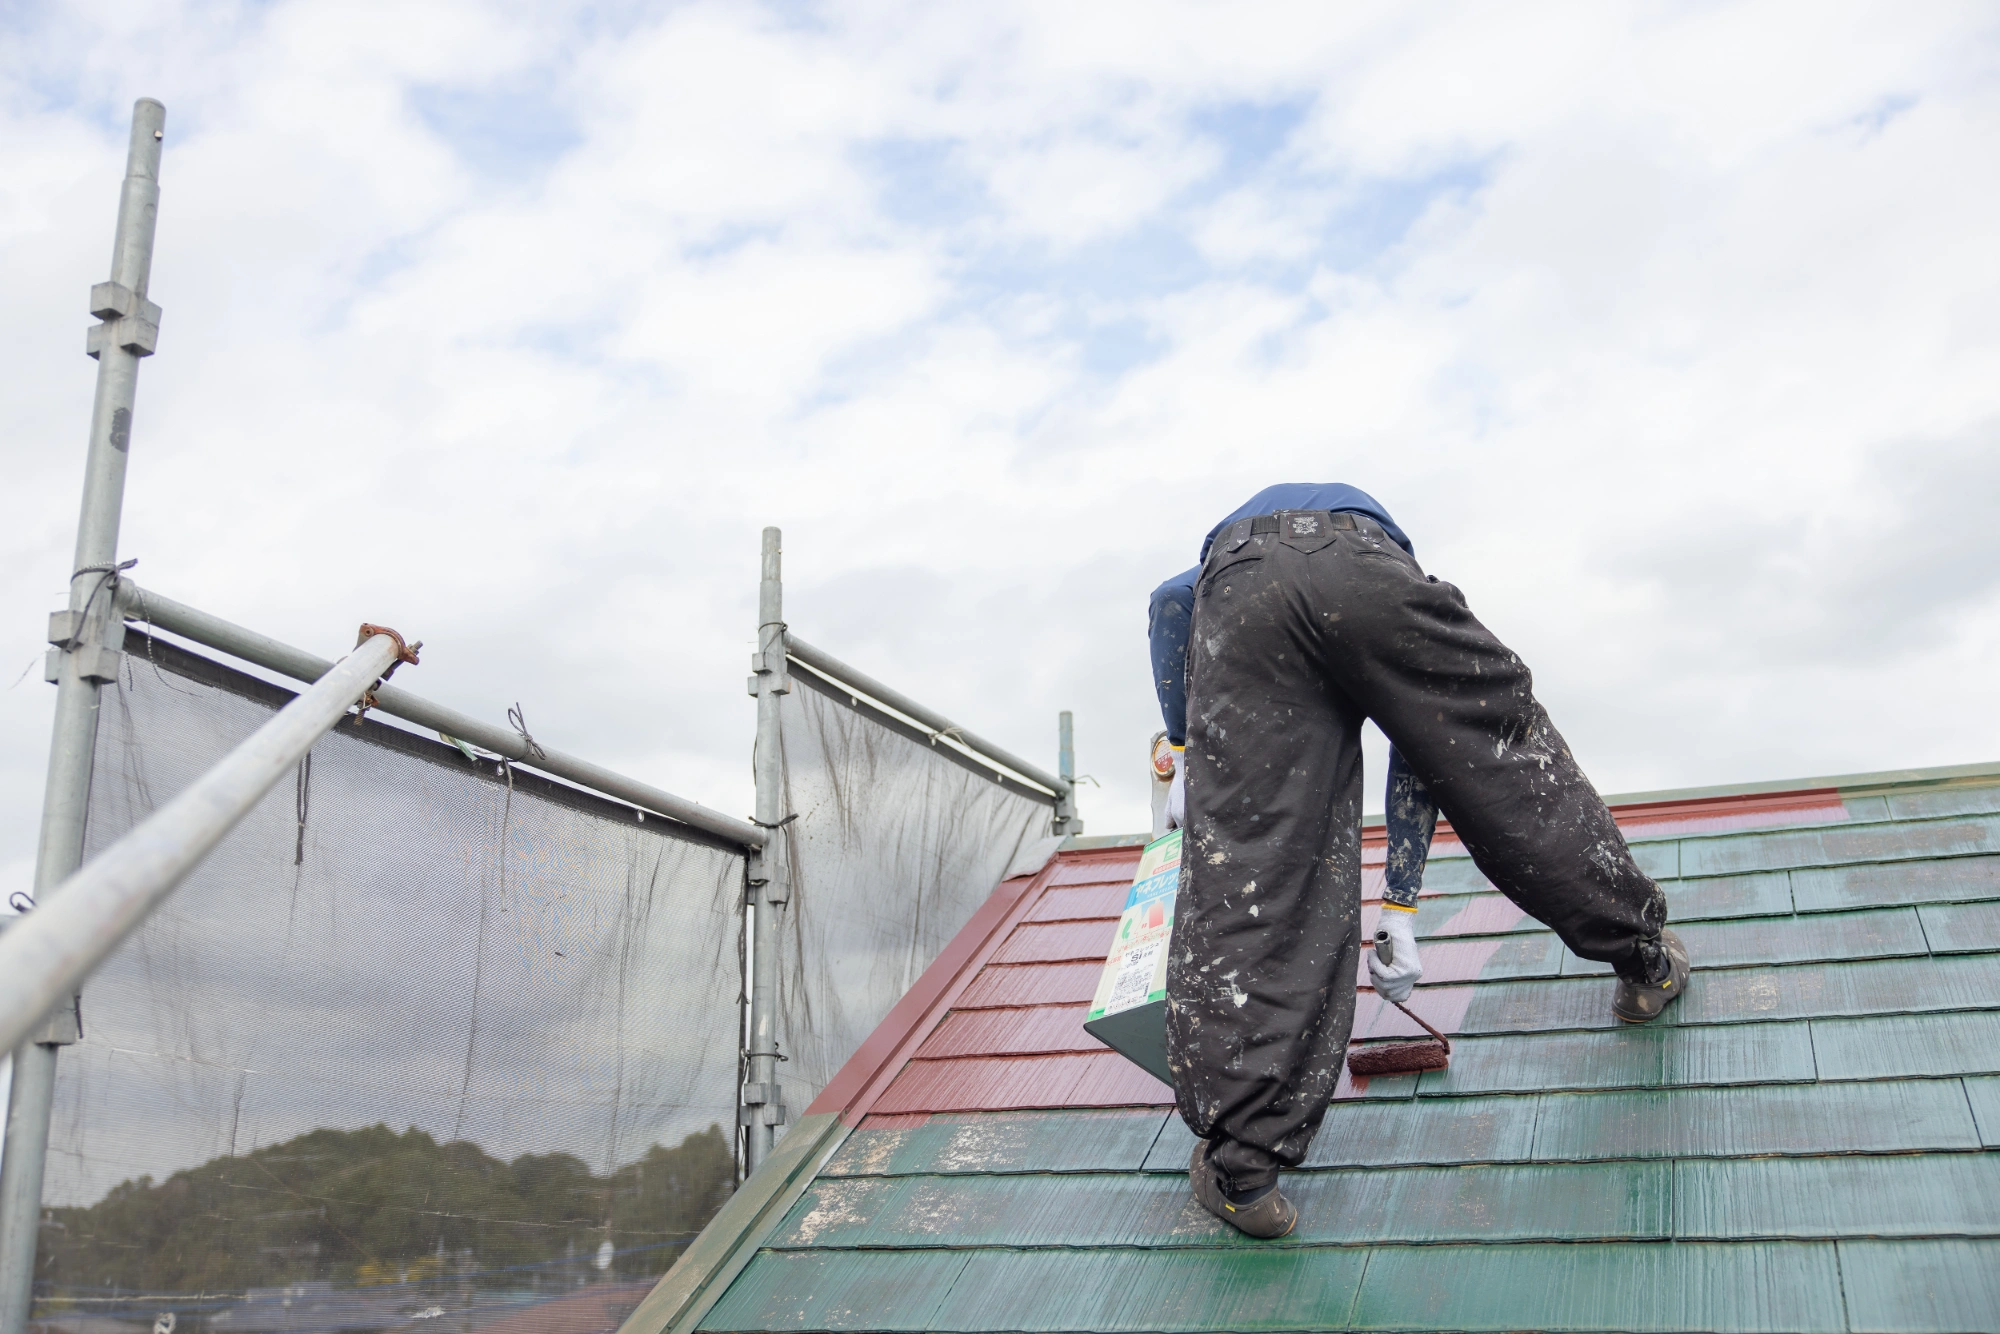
x=1308 y=614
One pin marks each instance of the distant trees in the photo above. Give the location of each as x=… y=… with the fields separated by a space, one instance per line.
x=374 y=1206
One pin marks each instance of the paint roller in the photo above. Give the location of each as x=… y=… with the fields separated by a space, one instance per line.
x=1399 y=1058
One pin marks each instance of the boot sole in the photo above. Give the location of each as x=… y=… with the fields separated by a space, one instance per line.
x=1199 y=1178
x=1680 y=989
x=1624 y=1018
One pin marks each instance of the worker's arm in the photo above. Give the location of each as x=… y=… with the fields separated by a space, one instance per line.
x=1411 y=817
x=1167 y=625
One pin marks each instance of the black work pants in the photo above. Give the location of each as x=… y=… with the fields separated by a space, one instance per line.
x=1300 y=634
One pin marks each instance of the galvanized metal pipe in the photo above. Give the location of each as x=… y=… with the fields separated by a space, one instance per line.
x=827 y=665
x=88 y=641
x=1065 y=821
x=30 y=1099
x=149 y=607
x=763 y=1108
x=64 y=939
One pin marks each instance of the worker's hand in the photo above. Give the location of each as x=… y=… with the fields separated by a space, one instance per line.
x=1177 y=793
x=1395 y=979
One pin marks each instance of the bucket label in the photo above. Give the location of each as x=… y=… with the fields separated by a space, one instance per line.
x=1135 y=973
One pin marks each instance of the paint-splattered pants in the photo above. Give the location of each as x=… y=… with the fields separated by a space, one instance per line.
x=1305 y=624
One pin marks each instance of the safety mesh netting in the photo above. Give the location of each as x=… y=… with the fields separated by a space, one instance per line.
x=897 y=840
x=427 y=1038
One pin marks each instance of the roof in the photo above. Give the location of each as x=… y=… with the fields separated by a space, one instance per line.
x=1805 y=1142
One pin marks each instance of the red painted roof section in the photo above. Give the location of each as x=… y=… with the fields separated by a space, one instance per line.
x=966 y=977
x=1026 y=1031
x=1068 y=903
x=1057 y=942
x=997 y=1022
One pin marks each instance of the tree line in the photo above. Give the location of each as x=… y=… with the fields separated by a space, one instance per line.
x=375 y=1206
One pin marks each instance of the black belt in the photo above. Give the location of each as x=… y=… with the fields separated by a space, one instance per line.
x=1337 y=519
x=1237 y=535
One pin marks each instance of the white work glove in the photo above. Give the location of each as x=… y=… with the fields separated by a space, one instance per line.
x=1177 y=793
x=1395 y=979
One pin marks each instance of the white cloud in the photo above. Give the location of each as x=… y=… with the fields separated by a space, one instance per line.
x=1630 y=315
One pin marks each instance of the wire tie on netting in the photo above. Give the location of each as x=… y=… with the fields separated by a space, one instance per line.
x=152 y=638
x=519 y=722
x=21 y=901
x=948 y=733
x=304 y=796
x=780 y=825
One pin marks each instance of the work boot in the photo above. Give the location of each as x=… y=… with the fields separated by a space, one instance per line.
x=1637 y=1002
x=1267 y=1214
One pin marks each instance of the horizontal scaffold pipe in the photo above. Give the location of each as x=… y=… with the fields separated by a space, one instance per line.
x=47 y=956
x=214 y=632
x=829 y=666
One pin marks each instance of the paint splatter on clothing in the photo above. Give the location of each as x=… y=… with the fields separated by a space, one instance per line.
x=1173 y=601
x=1306 y=624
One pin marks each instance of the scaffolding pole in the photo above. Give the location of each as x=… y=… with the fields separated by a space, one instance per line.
x=1065 y=821
x=763 y=1107
x=152 y=609
x=87 y=637
x=940 y=727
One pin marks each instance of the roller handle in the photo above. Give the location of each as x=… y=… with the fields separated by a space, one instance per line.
x=1385 y=950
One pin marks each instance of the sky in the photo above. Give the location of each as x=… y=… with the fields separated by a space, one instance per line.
x=1668 y=331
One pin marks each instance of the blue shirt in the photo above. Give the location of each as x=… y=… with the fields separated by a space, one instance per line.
x=1173 y=601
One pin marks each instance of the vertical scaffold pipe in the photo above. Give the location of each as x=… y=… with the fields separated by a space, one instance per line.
x=87 y=638
x=763 y=1109
x=1065 y=821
